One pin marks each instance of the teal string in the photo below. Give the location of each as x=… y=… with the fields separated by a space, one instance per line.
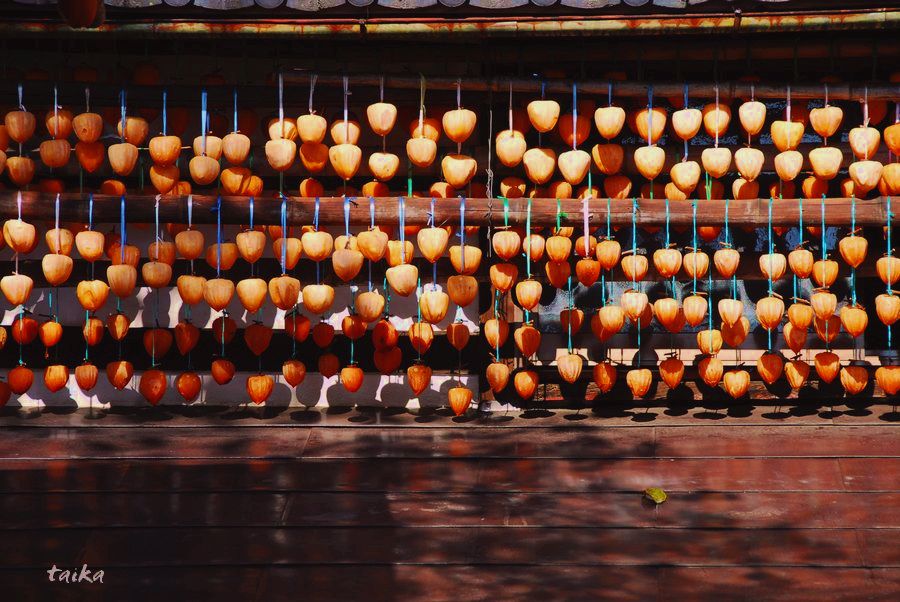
x=824 y=243
x=527 y=234
x=634 y=206
x=497 y=317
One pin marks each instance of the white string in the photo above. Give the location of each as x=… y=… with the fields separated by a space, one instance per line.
x=312 y=87
x=510 y=110
x=281 y=103
x=788 y=108
x=55 y=112
x=717 y=116
x=346 y=122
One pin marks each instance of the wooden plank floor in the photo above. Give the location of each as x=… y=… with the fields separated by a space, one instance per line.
x=765 y=504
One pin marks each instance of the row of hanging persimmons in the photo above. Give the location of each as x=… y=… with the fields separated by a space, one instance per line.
x=458 y=170
x=820 y=311
x=540 y=164
x=347 y=255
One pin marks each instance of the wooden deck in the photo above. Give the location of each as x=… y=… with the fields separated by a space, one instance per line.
x=796 y=503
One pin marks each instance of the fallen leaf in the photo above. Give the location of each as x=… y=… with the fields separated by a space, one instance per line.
x=656 y=494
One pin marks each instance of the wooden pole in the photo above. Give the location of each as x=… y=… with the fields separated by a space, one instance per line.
x=479 y=212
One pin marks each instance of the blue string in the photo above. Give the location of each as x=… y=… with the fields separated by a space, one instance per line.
x=709 y=299
x=164 y=118
x=346 y=217
x=284 y=239
x=90 y=211
x=685 y=106
x=203 y=118
x=401 y=210
x=574 y=115
x=771 y=244
x=569 y=322
x=235 y=110
x=634 y=207
x=462 y=232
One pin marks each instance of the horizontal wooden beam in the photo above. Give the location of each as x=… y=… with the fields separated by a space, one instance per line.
x=408 y=86
x=620 y=89
x=479 y=212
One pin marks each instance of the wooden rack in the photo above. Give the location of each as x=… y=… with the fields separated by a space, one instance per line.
x=478 y=212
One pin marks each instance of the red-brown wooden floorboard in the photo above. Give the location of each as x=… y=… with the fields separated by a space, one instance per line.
x=805 y=510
